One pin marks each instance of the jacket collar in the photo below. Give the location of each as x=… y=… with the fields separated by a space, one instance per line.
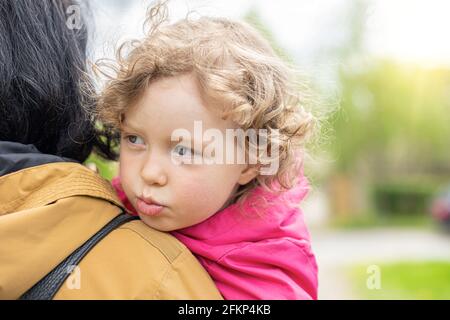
x=29 y=179
x=16 y=156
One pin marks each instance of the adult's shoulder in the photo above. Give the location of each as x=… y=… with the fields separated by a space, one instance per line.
x=138 y=262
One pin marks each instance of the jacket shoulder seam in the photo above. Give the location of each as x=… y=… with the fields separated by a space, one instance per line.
x=147 y=240
x=168 y=272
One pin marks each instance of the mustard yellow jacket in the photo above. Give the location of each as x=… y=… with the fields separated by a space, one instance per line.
x=47 y=211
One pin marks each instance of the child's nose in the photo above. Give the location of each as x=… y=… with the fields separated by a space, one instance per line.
x=153 y=170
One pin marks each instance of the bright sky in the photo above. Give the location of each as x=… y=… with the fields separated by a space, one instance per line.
x=412 y=30
x=407 y=30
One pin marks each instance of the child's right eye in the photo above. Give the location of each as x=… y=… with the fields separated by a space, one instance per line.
x=134 y=139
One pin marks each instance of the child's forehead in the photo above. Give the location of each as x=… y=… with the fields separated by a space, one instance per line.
x=174 y=103
x=163 y=120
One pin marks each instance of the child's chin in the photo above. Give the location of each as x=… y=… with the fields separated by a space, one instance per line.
x=157 y=225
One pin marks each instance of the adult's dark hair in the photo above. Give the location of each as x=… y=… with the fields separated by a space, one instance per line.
x=45 y=95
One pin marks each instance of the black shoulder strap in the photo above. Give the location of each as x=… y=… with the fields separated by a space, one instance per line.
x=47 y=287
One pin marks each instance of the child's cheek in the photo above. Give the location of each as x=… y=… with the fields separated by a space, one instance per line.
x=129 y=171
x=191 y=189
x=202 y=196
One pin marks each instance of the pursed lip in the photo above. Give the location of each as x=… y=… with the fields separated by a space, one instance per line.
x=150 y=201
x=149 y=207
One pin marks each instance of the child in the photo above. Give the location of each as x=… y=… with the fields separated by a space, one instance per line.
x=241 y=222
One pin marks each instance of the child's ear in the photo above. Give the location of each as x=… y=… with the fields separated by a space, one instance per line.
x=248 y=174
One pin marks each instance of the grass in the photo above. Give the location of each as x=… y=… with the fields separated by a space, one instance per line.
x=427 y=280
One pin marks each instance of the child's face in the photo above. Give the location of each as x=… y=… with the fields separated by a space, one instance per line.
x=188 y=193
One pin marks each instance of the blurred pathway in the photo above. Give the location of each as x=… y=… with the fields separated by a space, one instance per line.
x=337 y=249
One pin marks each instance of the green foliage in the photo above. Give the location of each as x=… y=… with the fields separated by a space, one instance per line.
x=402 y=197
x=107 y=169
x=368 y=220
x=393 y=114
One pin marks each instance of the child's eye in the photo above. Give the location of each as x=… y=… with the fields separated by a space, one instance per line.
x=134 y=139
x=182 y=151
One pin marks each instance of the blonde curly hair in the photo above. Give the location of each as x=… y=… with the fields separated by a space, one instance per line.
x=234 y=65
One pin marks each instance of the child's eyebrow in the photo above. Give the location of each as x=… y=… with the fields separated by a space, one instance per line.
x=180 y=139
x=128 y=124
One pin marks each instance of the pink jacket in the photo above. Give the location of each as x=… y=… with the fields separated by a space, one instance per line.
x=261 y=252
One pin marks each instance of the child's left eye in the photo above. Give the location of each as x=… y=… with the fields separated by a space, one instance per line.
x=182 y=151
